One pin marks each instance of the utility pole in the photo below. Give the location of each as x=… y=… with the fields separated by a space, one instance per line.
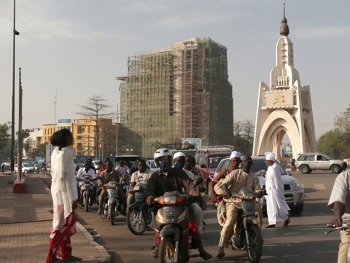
x=20 y=135
x=15 y=33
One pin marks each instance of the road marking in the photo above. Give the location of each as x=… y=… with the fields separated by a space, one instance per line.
x=320 y=187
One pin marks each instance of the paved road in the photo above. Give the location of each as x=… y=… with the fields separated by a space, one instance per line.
x=302 y=241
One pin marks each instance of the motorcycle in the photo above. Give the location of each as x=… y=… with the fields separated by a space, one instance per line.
x=248 y=233
x=86 y=192
x=174 y=226
x=139 y=216
x=112 y=204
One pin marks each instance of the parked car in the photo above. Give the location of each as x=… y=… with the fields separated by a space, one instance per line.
x=27 y=168
x=293 y=191
x=306 y=162
x=5 y=166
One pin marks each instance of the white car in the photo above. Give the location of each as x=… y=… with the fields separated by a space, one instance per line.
x=152 y=165
x=293 y=191
x=27 y=168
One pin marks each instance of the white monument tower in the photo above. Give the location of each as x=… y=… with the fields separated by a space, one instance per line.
x=284 y=107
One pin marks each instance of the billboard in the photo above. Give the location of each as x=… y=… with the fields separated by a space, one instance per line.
x=197 y=142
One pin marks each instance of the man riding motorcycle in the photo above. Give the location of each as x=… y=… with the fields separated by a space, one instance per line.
x=179 y=161
x=109 y=175
x=236 y=180
x=138 y=181
x=171 y=179
x=82 y=173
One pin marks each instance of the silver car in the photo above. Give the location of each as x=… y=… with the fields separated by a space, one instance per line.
x=27 y=168
x=293 y=191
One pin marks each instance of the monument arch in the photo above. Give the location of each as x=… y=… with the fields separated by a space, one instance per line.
x=284 y=106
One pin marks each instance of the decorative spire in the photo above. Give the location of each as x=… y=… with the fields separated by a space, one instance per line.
x=284 y=29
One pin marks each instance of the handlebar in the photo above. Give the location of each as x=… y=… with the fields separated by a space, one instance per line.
x=251 y=195
x=343 y=227
x=87 y=179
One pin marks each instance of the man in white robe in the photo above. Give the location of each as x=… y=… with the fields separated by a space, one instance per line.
x=339 y=203
x=277 y=207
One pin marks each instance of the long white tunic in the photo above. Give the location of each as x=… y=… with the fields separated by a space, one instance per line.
x=341 y=193
x=63 y=185
x=277 y=207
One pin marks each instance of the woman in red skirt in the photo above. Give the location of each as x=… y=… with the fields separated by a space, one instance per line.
x=64 y=196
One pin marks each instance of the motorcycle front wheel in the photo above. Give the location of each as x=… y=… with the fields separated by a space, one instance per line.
x=112 y=212
x=87 y=200
x=168 y=252
x=136 y=222
x=254 y=249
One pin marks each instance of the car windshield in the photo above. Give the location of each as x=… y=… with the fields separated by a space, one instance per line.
x=258 y=165
x=214 y=160
x=153 y=164
x=26 y=164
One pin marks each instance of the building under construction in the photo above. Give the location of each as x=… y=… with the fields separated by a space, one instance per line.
x=174 y=93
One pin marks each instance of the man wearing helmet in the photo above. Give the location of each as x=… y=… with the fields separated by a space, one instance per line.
x=167 y=179
x=179 y=161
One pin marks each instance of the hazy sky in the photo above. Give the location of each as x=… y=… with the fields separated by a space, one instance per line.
x=77 y=48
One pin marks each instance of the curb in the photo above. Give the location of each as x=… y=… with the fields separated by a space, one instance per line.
x=105 y=256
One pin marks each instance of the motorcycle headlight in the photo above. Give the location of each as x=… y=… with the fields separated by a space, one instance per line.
x=170 y=200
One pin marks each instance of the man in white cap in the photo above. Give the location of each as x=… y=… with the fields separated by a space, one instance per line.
x=233 y=183
x=235 y=160
x=277 y=207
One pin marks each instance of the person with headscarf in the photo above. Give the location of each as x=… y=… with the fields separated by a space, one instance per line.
x=276 y=205
x=64 y=197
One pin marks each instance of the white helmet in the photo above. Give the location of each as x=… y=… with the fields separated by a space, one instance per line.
x=178 y=154
x=160 y=153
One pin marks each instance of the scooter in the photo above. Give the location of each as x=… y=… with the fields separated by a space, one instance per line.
x=248 y=233
x=174 y=226
x=86 y=190
x=112 y=203
x=139 y=215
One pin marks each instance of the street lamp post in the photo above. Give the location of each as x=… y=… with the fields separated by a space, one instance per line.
x=15 y=33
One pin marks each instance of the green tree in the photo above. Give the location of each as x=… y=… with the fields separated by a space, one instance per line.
x=342 y=124
x=5 y=143
x=331 y=143
x=39 y=151
x=342 y=121
x=243 y=136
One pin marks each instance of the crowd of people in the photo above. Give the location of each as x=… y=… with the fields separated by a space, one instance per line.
x=176 y=172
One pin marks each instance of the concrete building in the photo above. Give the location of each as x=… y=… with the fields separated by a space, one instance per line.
x=284 y=106
x=178 y=92
x=92 y=138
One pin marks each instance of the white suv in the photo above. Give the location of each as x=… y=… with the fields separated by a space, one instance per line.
x=293 y=191
x=306 y=162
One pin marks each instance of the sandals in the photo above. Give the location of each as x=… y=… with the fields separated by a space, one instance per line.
x=205 y=255
x=286 y=222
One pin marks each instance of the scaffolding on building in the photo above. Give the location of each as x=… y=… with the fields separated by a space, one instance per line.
x=171 y=93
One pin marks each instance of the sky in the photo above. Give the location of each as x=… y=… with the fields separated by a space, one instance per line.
x=71 y=50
